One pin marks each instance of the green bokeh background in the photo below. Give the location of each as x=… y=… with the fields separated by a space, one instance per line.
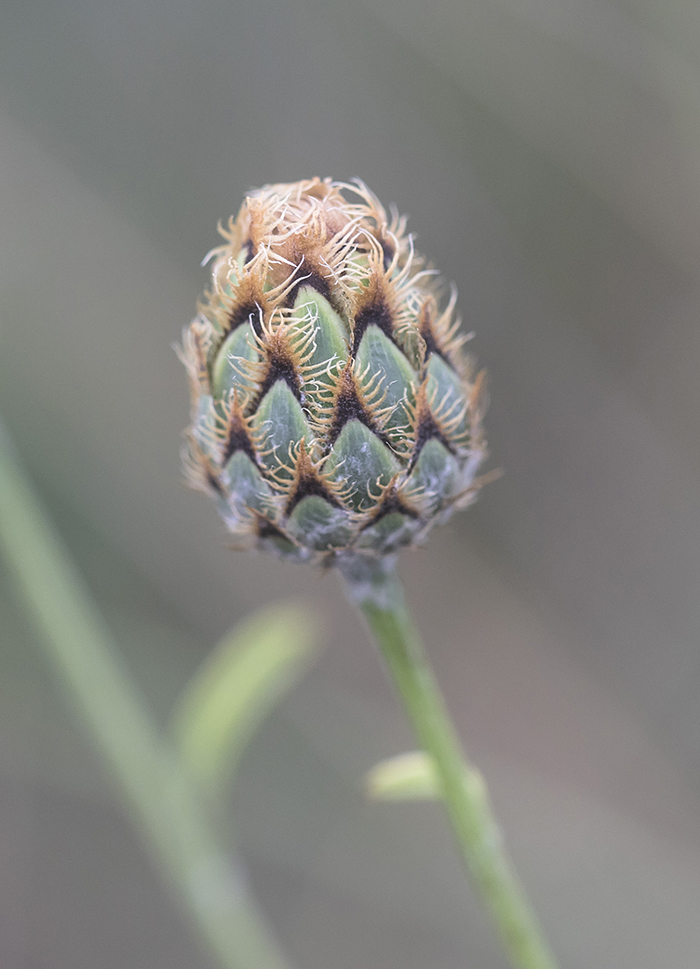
x=548 y=155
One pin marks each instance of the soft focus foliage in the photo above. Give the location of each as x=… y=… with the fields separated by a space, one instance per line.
x=405 y=777
x=247 y=672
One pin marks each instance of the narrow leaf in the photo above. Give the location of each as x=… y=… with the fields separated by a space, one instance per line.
x=237 y=686
x=406 y=777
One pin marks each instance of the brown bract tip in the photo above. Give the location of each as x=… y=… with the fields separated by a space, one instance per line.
x=391 y=499
x=308 y=479
x=431 y=417
x=286 y=350
x=353 y=396
x=441 y=332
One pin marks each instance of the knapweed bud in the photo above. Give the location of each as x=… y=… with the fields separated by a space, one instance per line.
x=334 y=413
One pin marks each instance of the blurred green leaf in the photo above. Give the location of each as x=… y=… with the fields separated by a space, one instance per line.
x=237 y=686
x=406 y=777
x=411 y=777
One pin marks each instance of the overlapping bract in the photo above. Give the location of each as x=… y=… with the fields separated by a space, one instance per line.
x=333 y=410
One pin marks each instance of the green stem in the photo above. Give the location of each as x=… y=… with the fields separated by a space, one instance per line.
x=377 y=591
x=164 y=804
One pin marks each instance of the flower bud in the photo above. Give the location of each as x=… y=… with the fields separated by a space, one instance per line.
x=334 y=413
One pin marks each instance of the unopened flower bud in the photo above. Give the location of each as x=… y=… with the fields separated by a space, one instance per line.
x=334 y=413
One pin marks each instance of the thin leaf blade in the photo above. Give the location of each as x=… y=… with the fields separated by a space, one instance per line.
x=406 y=777
x=238 y=685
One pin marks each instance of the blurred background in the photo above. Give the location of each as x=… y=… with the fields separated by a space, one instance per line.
x=548 y=154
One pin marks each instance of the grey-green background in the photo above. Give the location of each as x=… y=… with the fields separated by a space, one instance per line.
x=548 y=152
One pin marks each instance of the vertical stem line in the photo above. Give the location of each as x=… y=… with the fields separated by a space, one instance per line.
x=163 y=803
x=377 y=591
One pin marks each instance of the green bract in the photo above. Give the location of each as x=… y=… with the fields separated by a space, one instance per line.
x=333 y=411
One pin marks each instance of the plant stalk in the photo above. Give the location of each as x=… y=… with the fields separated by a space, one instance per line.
x=377 y=590
x=164 y=804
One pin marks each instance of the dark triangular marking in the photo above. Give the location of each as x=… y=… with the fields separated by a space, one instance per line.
x=431 y=345
x=238 y=440
x=280 y=366
x=241 y=313
x=426 y=431
x=310 y=485
x=315 y=281
x=392 y=503
x=349 y=407
x=375 y=314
